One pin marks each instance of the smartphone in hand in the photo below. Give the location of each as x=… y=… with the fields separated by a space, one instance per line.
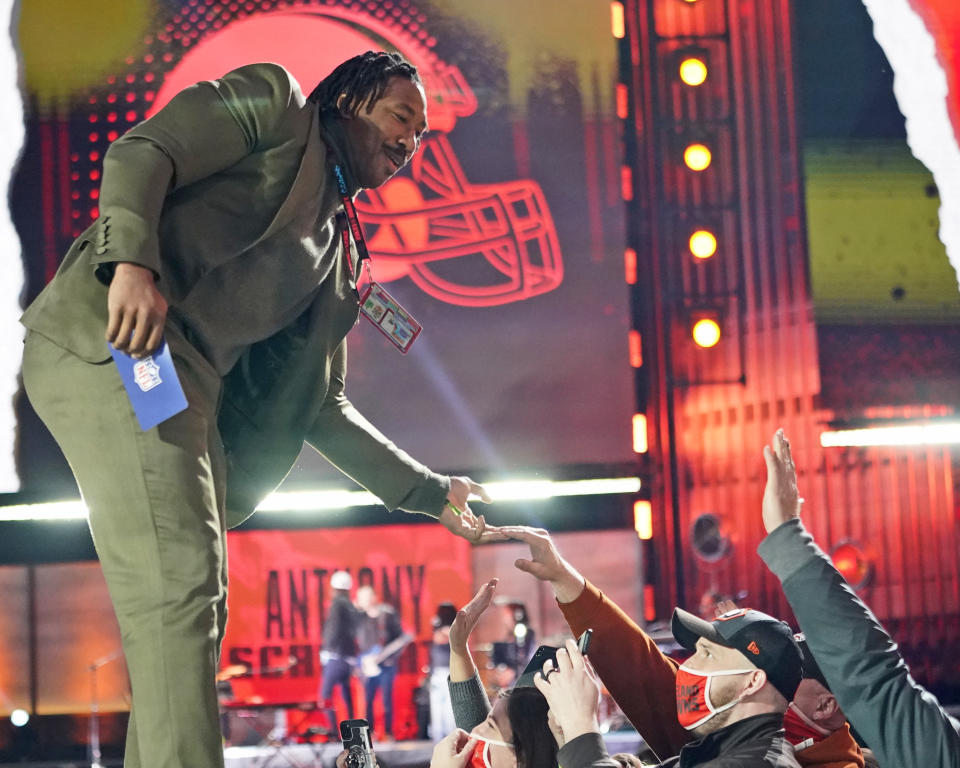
x=545 y=652
x=583 y=642
x=358 y=744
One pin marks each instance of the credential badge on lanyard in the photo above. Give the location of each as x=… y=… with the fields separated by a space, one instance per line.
x=378 y=306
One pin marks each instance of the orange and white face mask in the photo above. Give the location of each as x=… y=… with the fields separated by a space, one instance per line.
x=481 y=753
x=694 y=707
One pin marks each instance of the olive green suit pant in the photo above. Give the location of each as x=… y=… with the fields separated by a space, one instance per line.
x=156 y=503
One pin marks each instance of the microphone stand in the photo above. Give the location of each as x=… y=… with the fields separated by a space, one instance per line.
x=94 y=749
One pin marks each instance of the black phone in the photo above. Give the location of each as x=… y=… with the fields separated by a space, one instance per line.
x=355 y=735
x=545 y=652
x=535 y=665
x=583 y=642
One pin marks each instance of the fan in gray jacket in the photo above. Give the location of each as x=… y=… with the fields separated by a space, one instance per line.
x=515 y=732
x=903 y=723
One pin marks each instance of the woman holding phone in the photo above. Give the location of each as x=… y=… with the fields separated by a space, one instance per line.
x=515 y=731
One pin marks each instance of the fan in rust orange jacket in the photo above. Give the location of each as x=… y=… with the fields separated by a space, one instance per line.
x=640 y=677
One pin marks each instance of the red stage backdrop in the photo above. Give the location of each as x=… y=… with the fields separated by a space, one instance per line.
x=280 y=595
x=504 y=235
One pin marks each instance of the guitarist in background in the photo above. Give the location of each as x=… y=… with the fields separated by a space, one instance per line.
x=380 y=638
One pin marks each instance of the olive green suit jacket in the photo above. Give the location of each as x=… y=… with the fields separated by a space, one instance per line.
x=211 y=194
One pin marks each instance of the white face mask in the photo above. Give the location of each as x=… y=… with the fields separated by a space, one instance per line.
x=495 y=742
x=694 y=706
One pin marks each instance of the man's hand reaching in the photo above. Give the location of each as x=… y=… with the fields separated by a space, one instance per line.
x=781 y=499
x=459 y=519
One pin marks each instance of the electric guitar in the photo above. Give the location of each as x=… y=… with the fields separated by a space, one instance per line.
x=371 y=660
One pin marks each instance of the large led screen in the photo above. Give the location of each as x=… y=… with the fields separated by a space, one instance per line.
x=504 y=239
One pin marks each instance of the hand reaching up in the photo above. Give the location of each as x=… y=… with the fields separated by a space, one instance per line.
x=781 y=499
x=469 y=615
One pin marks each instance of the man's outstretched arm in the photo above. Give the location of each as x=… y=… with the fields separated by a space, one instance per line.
x=359 y=450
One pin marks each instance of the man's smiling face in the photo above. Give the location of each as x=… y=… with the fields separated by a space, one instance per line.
x=384 y=135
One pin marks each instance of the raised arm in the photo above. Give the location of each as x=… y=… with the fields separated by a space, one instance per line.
x=903 y=723
x=638 y=675
x=469 y=700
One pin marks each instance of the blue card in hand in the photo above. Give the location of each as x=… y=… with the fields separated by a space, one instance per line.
x=152 y=385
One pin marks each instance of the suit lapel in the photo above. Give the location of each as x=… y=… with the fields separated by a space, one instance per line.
x=308 y=186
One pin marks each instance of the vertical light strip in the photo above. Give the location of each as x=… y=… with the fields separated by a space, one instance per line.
x=636 y=349
x=626 y=182
x=920 y=86
x=643 y=519
x=640 y=444
x=11 y=332
x=617 y=25
x=623 y=101
x=630 y=266
x=649 y=606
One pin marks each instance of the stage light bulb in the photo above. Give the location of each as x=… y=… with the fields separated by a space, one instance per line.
x=706 y=333
x=693 y=71
x=703 y=244
x=697 y=157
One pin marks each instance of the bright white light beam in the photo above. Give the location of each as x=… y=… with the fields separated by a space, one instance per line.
x=317 y=501
x=940 y=433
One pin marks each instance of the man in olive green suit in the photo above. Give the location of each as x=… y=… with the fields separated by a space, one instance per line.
x=218 y=232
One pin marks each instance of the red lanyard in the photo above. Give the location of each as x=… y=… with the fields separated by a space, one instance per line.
x=352 y=227
x=380 y=308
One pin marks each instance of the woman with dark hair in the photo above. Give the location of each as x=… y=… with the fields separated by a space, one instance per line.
x=515 y=732
x=533 y=738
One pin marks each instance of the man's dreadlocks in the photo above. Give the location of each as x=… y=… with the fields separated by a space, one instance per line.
x=362 y=80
